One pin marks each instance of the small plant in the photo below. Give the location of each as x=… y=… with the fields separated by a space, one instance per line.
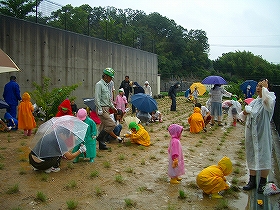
x=236 y=171
x=223 y=204
x=94 y=174
x=182 y=194
x=127 y=143
x=234 y=180
x=41 y=197
x=141 y=147
x=193 y=185
x=142 y=189
x=98 y=191
x=119 y=178
x=200 y=141
x=1 y=166
x=14 y=189
x=107 y=164
x=109 y=149
x=70 y=165
x=218 y=148
x=72 y=184
x=143 y=162
x=22 y=171
x=44 y=177
x=153 y=157
x=72 y=204
x=162 y=151
x=129 y=170
x=121 y=157
x=191 y=150
x=23 y=143
x=129 y=202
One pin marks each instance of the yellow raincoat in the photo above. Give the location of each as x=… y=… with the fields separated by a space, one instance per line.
x=196 y=121
x=140 y=137
x=212 y=179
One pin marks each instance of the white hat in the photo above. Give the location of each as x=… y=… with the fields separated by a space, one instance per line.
x=146 y=83
x=121 y=90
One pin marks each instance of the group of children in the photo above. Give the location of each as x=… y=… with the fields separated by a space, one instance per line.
x=211 y=179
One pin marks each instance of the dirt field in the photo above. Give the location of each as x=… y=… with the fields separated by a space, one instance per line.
x=128 y=175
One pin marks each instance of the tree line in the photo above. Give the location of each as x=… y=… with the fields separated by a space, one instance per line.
x=181 y=52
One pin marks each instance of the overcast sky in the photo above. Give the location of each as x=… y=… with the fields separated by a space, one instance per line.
x=230 y=25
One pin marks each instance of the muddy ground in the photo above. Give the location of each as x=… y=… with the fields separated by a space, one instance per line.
x=128 y=176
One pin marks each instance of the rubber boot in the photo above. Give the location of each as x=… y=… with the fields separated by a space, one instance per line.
x=101 y=140
x=216 y=195
x=261 y=185
x=251 y=184
x=174 y=181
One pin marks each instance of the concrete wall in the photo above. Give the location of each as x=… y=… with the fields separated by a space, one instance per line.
x=69 y=58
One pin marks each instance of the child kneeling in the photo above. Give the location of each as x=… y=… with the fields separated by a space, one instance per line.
x=212 y=179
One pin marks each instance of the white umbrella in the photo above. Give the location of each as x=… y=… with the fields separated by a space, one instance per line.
x=6 y=63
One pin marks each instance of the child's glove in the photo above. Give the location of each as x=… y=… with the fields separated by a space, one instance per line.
x=100 y=112
x=175 y=163
x=83 y=148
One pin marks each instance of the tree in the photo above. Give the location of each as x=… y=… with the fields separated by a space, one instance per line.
x=18 y=8
x=50 y=99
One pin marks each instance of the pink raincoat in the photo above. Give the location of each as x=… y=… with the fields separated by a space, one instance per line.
x=175 y=151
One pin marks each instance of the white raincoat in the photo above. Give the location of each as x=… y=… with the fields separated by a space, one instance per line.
x=258 y=135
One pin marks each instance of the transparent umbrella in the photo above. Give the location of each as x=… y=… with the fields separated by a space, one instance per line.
x=48 y=142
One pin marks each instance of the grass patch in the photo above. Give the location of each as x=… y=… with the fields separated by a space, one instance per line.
x=41 y=197
x=107 y=164
x=98 y=192
x=222 y=204
x=44 y=177
x=129 y=202
x=72 y=184
x=94 y=174
x=1 y=166
x=72 y=204
x=14 y=189
x=182 y=194
x=121 y=157
x=129 y=170
x=119 y=178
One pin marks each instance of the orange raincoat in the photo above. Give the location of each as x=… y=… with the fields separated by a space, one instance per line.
x=140 y=137
x=26 y=119
x=212 y=179
x=196 y=121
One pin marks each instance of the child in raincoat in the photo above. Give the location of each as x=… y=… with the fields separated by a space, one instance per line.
x=26 y=120
x=121 y=102
x=234 y=109
x=196 y=121
x=212 y=179
x=90 y=137
x=64 y=108
x=138 y=134
x=176 y=165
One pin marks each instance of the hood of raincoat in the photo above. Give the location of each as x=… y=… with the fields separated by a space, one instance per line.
x=65 y=104
x=226 y=165
x=196 y=110
x=175 y=130
x=134 y=125
x=25 y=96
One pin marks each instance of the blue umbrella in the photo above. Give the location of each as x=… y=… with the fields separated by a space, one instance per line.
x=252 y=83
x=144 y=102
x=212 y=80
x=3 y=104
